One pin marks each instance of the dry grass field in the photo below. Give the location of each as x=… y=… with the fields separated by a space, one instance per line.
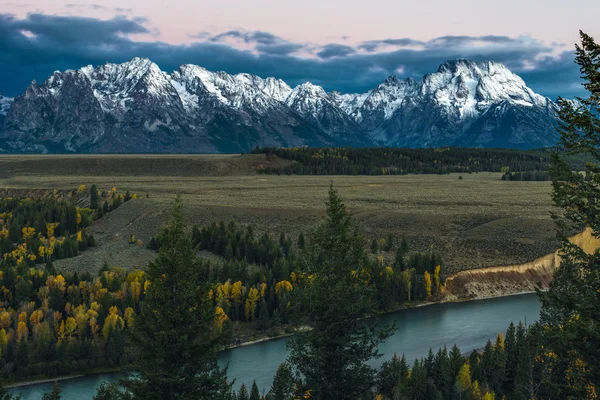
x=473 y=222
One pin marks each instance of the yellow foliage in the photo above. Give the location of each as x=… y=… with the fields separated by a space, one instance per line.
x=283 y=285
x=79 y=236
x=236 y=292
x=250 y=307
x=70 y=327
x=3 y=233
x=220 y=317
x=5 y=320
x=436 y=279
x=36 y=317
x=111 y=322
x=263 y=289
x=427 y=284
x=56 y=282
x=136 y=290
x=27 y=232
x=22 y=331
x=129 y=316
x=23 y=317
x=81 y=188
x=488 y=396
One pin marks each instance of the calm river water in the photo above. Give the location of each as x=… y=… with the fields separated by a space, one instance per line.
x=468 y=324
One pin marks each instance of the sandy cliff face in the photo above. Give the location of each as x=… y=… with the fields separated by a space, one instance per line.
x=511 y=279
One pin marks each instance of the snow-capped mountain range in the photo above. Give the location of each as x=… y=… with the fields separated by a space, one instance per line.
x=136 y=107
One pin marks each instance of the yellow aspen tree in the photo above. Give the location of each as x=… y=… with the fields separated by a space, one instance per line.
x=60 y=335
x=111 y=322
x=263 y=289
x=220 y=317
x=476 y=391
x=136 y=290
x=463 y=380
x=489 y=396
x=82 y=320
x=436 y=279
x=23 y=317
x=70 y=327
x=94 y=325
x=427 y=284
x=236 y=292
x=129 y=316
x=27 y=232
x=250 y=307
x=283 y=285
x=22 y=331
x=36 y=317
x=5 y=320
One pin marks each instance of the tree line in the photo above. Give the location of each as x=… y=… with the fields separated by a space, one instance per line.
x=393 y=161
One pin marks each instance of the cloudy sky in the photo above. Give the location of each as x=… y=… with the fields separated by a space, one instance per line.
x=345 y=45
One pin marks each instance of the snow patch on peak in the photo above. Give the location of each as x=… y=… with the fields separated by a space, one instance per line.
x=5 y=103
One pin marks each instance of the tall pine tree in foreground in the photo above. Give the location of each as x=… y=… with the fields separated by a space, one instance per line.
x=571 y=308
x=174 y=340
x=337 y=303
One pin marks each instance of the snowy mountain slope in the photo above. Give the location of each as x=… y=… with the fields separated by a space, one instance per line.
x=319 y=108
x=137 y=107
x=457 y=99
x=5 y=103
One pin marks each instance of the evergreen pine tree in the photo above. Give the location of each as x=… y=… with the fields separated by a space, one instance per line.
x=55 y=394
x=283 y=383
x=243 y=393
x=417 y=386
x=254 y=393
x=389 y=242
x=510 y=349
x=374 y=246
x=174 y=339
x=93 y=197
x=570 y=307
x=332 y=357
x=301 y=241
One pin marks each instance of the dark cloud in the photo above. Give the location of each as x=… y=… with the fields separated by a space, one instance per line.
x=335 y=50
x=35 y=46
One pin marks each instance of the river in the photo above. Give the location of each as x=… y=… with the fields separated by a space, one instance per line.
x=467 y=324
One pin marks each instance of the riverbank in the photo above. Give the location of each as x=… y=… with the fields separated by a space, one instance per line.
x=42 y=380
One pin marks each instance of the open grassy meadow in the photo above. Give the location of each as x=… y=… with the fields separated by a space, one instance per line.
x=473 y=222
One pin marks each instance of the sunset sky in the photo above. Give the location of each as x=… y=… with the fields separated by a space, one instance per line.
x=343 y=45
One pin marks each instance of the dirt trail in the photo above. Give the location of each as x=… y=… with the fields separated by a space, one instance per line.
x=501 y=281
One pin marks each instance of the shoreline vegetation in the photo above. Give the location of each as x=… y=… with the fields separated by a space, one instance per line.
x=582 y=239
x=266 y=338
